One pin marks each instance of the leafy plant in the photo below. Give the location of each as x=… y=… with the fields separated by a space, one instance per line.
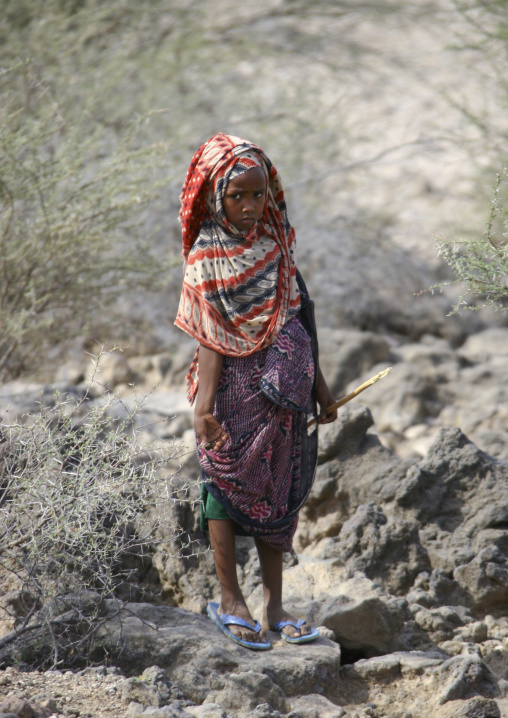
x=481 y=264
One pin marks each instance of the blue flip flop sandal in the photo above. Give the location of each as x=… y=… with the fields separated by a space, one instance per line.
x=305 y=638
x=222 y=620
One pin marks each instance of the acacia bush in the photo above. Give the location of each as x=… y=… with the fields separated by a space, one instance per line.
x=76 y=531
x=69 y=240
x=480 y=264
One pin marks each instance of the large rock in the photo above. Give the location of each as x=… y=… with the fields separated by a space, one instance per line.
x=187 y=581
x=189 y=648
x=365 y=620
x=433 y=385
x=137 y=710
x=436 y=589
x=440 y=623
x=16 y=705
x=361 y=470
x=387 y=551
x=463 y=677
x=404 y=398
x=111 y=370
x=241 y=693
x=152 y=688
x=486 y=578
x=457 y=496
x=460 y=495
x=491 y=342
x=345 y=354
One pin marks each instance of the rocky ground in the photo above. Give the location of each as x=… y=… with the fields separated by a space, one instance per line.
x=400 y=556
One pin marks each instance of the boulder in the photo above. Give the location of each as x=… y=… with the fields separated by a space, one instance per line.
x=404 y=398
x=385 y=550
x=463 y=677
x=345 y=434
x=365 y=620
x=111 y=370
x=187 y=581
x=241 y=693
x=491 y=342
x=486 y=577
x=361 y=470
x=16 y=705
x=440 y=623
x=189 y=648
x=180 y=363
x=434 y=358
x=460 y=495
x=345 y=354
x=437 y=589
x=152 y=688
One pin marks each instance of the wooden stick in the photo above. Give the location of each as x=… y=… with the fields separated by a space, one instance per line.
x=354 y=393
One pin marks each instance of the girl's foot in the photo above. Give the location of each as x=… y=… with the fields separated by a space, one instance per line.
x=238 y=608
x=270 y=618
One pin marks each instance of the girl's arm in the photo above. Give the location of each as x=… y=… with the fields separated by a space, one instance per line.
x=325 y=399
x=206 y=426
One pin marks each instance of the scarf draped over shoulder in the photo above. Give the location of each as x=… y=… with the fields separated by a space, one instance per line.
x=239 y=288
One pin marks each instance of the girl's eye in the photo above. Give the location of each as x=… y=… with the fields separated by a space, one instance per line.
x=259 y=195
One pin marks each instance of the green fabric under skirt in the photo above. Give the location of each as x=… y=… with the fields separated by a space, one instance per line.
x=209 y=508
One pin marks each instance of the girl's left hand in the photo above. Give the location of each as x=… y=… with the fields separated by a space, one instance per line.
x=324 y=417
x=325 y=399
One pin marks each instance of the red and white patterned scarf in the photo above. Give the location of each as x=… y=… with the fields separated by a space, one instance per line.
x=239 y=288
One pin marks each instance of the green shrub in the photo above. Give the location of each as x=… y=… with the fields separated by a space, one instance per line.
x=481 y=264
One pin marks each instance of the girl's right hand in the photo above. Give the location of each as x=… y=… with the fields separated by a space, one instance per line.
x=209 y=431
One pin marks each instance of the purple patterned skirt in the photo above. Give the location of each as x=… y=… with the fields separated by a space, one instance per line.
x=264 y=472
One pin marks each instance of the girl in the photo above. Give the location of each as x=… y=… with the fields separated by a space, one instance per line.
x=255 y=376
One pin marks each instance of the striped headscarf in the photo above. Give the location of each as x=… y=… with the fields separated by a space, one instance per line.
x=239 y=288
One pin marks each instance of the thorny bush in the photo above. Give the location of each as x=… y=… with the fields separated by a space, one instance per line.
x=480 y=264
x=74 y=486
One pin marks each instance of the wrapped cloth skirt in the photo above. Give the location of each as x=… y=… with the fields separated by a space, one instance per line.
x=264 y=472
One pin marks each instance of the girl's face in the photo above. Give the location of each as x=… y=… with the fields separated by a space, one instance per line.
x=244 y=199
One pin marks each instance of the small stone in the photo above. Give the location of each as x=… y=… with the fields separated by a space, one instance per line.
x=325 y=632
x=475 y=632
x=48 y=703
x=94 y=671
x=380 y=667
x=452 y=648
x=208 y=710
x=316 y=706
x=477 y=707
